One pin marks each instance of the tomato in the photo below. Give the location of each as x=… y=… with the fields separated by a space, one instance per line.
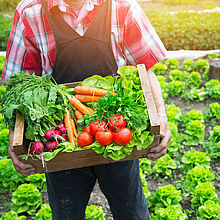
x=97 y=126
x=104 y=137
x=116 y=122
x=123 y=136
x=87 y=129
x=85 y=139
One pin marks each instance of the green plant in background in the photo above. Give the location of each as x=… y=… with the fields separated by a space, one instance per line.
x=45 y=213
x=2 y=63
x=195 y=176
x=186 y=30
x=4 y=133
x=194 y=133
x=145 y=166
x=210 y=210
x=173 y=113
x=175 y=87
x=188 y=65
x=9 y=178
x=94 y=212
x=212 y=148
x=11 y=215
x=165 y=196
x=172 y=64
x=202 y=66
x=198 y=95
x=5 y=27
x=178 y=75
x=164 y=86
x=194 y=80
x=212 y=113
x=173 y=212
x=176 y=136
x=195 y=158
x=164 y=166
x=214 y=137
x=38 y=180
x=213 y=56
x=174 y=149
x=213 y=88
x=26 y=198
x=190 y=116
x=159 y=68
x=202 y=193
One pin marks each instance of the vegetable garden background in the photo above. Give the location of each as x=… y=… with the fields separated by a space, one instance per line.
x=184 y=184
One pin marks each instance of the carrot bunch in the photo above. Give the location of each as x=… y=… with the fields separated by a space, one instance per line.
x=86 y=94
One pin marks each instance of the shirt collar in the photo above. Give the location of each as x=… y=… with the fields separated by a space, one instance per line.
x=63 y=5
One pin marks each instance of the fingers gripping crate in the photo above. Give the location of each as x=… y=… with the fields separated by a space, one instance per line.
x=84 y=157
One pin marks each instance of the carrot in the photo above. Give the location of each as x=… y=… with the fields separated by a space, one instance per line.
x=78 y=115
x=87 y=98
x=78 y=105
x=74 y=127
x=87 y=90
x=69 y=127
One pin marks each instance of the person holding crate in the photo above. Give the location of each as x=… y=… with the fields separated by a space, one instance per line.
x=72 y=40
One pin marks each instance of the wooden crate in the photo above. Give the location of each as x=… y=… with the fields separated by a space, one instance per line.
x=84 y=157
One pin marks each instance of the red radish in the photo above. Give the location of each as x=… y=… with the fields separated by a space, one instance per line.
x=60 y=125
x=56 y=132
x=63 y=130
x=50 y=134
x=37 y=147
x=64 y=136
x=51 y=145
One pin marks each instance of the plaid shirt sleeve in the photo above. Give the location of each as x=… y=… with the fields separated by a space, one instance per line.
x=22 y=52
x=141 y=43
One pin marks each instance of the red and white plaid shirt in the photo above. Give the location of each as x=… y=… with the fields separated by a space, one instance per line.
x=31 y=45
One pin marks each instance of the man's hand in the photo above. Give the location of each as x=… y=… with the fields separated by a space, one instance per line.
x=165 y=134
x=20 y=167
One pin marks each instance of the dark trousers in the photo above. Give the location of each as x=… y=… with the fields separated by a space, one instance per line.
x=69 y=191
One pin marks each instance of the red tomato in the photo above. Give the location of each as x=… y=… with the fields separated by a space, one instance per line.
x=117 y=122
x=85 y=139
x=123 y=136
x=97 y=126
x=104 y=137
x=87 y=129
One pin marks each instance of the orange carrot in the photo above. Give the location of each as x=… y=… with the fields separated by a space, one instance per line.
x=78 y=105
x=78 y=115
x=87 y=90
x=74 y=127
x=69 y=127
x=87 y=98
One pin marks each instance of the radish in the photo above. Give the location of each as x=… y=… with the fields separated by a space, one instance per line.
x=50 y=135
x=51 y=145
x=56 y=132
x=60 y=125
x=64 y=136
x=63 y=130
x=37 y=148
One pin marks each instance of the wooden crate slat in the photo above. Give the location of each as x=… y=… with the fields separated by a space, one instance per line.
x=149 y=99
